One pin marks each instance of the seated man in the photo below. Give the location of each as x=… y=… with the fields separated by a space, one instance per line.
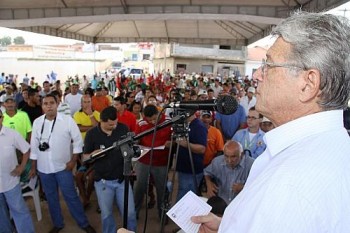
x=226 y=174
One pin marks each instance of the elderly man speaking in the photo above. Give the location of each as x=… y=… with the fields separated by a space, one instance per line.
x=301 y=183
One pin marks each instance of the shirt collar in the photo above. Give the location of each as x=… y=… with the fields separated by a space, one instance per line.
x=287 y=134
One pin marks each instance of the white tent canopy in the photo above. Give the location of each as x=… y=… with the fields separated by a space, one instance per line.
x=227 y=22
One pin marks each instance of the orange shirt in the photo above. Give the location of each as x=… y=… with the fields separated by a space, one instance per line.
x=100 y=102
x=215 y=143
x=128 y=119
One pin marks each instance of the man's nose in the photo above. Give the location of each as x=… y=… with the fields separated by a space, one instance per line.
x=258 y=74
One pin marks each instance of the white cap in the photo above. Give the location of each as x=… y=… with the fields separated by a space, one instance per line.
x=265 y=119
x=251 y=89
x=202 y=92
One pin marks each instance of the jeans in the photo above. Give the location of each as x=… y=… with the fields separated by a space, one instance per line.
x=65 y=181
x=107 y=192
x=18 y=209
x=186 y=183
x=159 y=174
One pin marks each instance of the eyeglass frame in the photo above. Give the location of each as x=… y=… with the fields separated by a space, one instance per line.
x=265 y=64
x=253 y=117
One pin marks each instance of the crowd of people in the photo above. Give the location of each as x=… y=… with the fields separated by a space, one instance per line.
x=263 y=174
x=87 y=115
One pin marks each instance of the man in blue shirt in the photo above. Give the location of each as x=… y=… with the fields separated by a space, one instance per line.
x=197 y=138
x=229 y=124
x=251 y=138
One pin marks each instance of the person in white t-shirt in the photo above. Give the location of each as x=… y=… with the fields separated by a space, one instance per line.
x=248 y=100
x=73 y=99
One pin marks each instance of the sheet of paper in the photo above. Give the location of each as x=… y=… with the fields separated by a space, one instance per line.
x=145 y=150
x=190 y=205
x=154 y=148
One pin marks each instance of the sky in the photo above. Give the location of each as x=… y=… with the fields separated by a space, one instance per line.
x=40 y=39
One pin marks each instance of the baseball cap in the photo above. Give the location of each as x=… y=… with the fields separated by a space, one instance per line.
x=9 y=86
x=234 y=91
x=265 y=119
x=10 y=97
x=251 y=89
x=202 y=92
x=205 y=113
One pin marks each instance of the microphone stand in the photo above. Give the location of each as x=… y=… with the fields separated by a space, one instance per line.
x=102 y=153
x=128 y=150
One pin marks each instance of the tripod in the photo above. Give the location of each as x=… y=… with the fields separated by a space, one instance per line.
x=180 y=132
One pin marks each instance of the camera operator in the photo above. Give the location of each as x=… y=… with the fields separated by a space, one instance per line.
x=197 y=138
x=52 y=135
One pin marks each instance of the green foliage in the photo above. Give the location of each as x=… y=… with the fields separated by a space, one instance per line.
x=19 y=40
x=5 y=41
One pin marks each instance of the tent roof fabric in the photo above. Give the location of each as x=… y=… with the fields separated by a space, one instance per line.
x=227 y=22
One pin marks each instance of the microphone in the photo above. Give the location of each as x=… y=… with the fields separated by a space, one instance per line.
x=224 y=104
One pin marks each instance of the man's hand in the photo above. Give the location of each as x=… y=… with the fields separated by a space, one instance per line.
x=237 y=187
x=17 y=171
x=32 y=173
x=212 y=189
x=70 y=165
x=123 y=230
x=209 y=223
x=87 y=156
x=88 y=111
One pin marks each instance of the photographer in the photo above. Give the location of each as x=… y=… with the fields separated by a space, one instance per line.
x=52 y=135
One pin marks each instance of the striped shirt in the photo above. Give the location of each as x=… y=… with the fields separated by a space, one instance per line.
x=301 y=183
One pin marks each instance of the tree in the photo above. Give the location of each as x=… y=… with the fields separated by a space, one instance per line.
x=19 y=40
x=5 y=41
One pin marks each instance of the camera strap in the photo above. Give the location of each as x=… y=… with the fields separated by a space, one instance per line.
x=42 y=129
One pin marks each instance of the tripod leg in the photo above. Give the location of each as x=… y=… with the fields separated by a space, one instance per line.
x=197 y=191
x=126 y=202
x=167 y=194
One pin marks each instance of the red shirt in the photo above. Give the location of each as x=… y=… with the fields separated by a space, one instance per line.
x=128 y=119
x=160 y=157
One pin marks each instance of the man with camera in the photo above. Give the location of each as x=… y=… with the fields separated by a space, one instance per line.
x=52 y=137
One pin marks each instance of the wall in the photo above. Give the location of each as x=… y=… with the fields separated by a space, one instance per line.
x=39 y=69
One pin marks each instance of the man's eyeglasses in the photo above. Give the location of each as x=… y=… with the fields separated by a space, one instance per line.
x=131 y=96
x=265 y=65
x=252 y=118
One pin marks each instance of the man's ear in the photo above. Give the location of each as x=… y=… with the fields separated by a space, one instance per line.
x=310 y=85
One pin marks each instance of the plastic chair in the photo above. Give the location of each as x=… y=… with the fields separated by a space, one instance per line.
x=31 y=189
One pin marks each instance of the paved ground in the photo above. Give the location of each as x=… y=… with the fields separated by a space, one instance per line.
x=43 y=226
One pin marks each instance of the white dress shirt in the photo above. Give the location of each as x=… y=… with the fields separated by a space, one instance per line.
x=64 y=131
x=10 y=140
x=301 y=183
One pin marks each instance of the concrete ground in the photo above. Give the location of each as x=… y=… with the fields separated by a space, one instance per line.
x=45 y=225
